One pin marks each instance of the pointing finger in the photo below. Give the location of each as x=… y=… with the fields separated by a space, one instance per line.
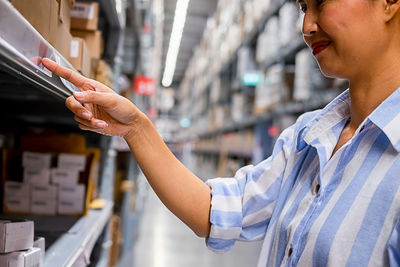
x=69 y=75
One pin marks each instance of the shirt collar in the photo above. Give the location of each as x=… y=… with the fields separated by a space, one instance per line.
x=333 y=113
x=386 y=117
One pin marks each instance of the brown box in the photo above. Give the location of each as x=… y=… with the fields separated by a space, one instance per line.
x=80 y=56
x=85 y=16
x=93 y=41
x=64 y=12
x=63 y=41
x=41 y=14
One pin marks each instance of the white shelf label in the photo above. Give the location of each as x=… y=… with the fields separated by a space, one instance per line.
x=74 y=49
x=82 y=11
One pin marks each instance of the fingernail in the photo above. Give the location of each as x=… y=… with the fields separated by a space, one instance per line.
x=79 y=94
x=86 y=115
x=101 y=124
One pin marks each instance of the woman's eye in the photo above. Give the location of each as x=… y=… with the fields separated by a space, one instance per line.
x=303 y=8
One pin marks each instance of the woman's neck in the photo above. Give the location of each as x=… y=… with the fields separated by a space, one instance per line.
x=371 y=88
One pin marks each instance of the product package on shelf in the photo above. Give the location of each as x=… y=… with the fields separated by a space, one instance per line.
x=80 y=56
x=302 y=83
x=73 y=165
x=42 y=15
x=16 y=197
x=288 y=18
x=15 y=236
x=268 y=92
x=268 y=42
x=44 y=199
x=93 y=39
x=36 y=175
x=85 y=16
x=40 y=242
x=27 y=258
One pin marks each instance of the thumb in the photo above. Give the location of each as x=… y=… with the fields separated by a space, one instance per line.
x=98 y=98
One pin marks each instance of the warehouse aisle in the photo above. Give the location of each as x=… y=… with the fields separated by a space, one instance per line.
x=164 y=241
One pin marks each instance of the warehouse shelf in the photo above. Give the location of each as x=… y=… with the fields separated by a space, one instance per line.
x=317 y=101
x=22 y=47
x=76 y=246
x=246 y=153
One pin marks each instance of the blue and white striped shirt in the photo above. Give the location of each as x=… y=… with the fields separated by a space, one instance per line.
x=312 y=209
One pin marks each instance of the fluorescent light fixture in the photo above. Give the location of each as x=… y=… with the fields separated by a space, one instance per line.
x=175 y=41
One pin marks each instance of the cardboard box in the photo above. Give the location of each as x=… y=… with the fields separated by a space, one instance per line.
x=64 y=12
x=85 y=16
x=36 y=160
x=29 y=258
x=64 y=176
x=41 y=14
x=15 y=236
x=63 y=41
x=36 y=176
x=72 y=161
x=16 y=197
x=93 y=41
x=44 y=199
x=71 y=200
x=40 y=243
x=80 y=57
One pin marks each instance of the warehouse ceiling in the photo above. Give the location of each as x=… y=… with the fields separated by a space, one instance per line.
x=198 y=12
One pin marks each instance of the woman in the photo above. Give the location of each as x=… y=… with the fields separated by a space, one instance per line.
x=328 y=194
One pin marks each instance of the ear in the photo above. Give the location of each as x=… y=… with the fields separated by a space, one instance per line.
x=391 y=8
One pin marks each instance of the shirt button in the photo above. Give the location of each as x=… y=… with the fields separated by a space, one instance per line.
x=290 y=252
x=317 y=187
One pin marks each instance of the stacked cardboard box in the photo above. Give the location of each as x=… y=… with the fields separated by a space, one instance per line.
x=17 y=245
x=46 y=190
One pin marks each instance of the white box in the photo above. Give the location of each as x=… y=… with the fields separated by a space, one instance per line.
x=40 y=243
x=36 y=176
x=64 y=176
x=36 y=160
x=44 y=199
x=29 y=258
x=17 y=197
x=15 y=236
x=71 y=200
x=72 y=161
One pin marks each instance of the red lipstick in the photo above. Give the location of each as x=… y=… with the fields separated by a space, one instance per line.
x=317 y=47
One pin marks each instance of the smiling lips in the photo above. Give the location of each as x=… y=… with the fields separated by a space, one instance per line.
x=319 y=46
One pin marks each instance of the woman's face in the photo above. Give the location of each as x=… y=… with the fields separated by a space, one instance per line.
x=344 y=34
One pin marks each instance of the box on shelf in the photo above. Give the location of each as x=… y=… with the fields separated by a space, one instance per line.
x=64 y=12
x=36 y=160
x=104 y=74
x=36 y=176
x=16 y=197
x=63 y=41
x=40 y=242
x=15 y=236
x=93 y=41
x=42 y=15
x=85 y=16
x=28 y=258
x=71 y=200
x=64 y=176
x=44 y=199
x=80 y=56
x=72 y=161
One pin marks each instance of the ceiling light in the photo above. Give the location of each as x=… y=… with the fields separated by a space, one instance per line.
x=175 y=41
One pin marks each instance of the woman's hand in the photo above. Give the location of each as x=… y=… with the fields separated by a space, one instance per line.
x=97 y=108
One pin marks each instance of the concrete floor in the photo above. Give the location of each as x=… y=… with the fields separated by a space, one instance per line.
x=164 y=241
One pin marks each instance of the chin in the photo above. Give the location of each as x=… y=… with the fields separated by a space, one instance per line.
x=331 y=72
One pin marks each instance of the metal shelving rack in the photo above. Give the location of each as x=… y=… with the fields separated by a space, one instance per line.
x=26 y=82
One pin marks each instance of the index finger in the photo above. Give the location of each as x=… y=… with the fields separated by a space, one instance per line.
x=69 y=75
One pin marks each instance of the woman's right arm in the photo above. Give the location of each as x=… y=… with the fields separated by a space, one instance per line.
x=99 y=109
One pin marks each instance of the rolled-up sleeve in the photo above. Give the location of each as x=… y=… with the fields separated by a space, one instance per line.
x=242 y=206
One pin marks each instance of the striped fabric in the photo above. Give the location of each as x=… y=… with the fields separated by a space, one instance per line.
x=312 y=209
